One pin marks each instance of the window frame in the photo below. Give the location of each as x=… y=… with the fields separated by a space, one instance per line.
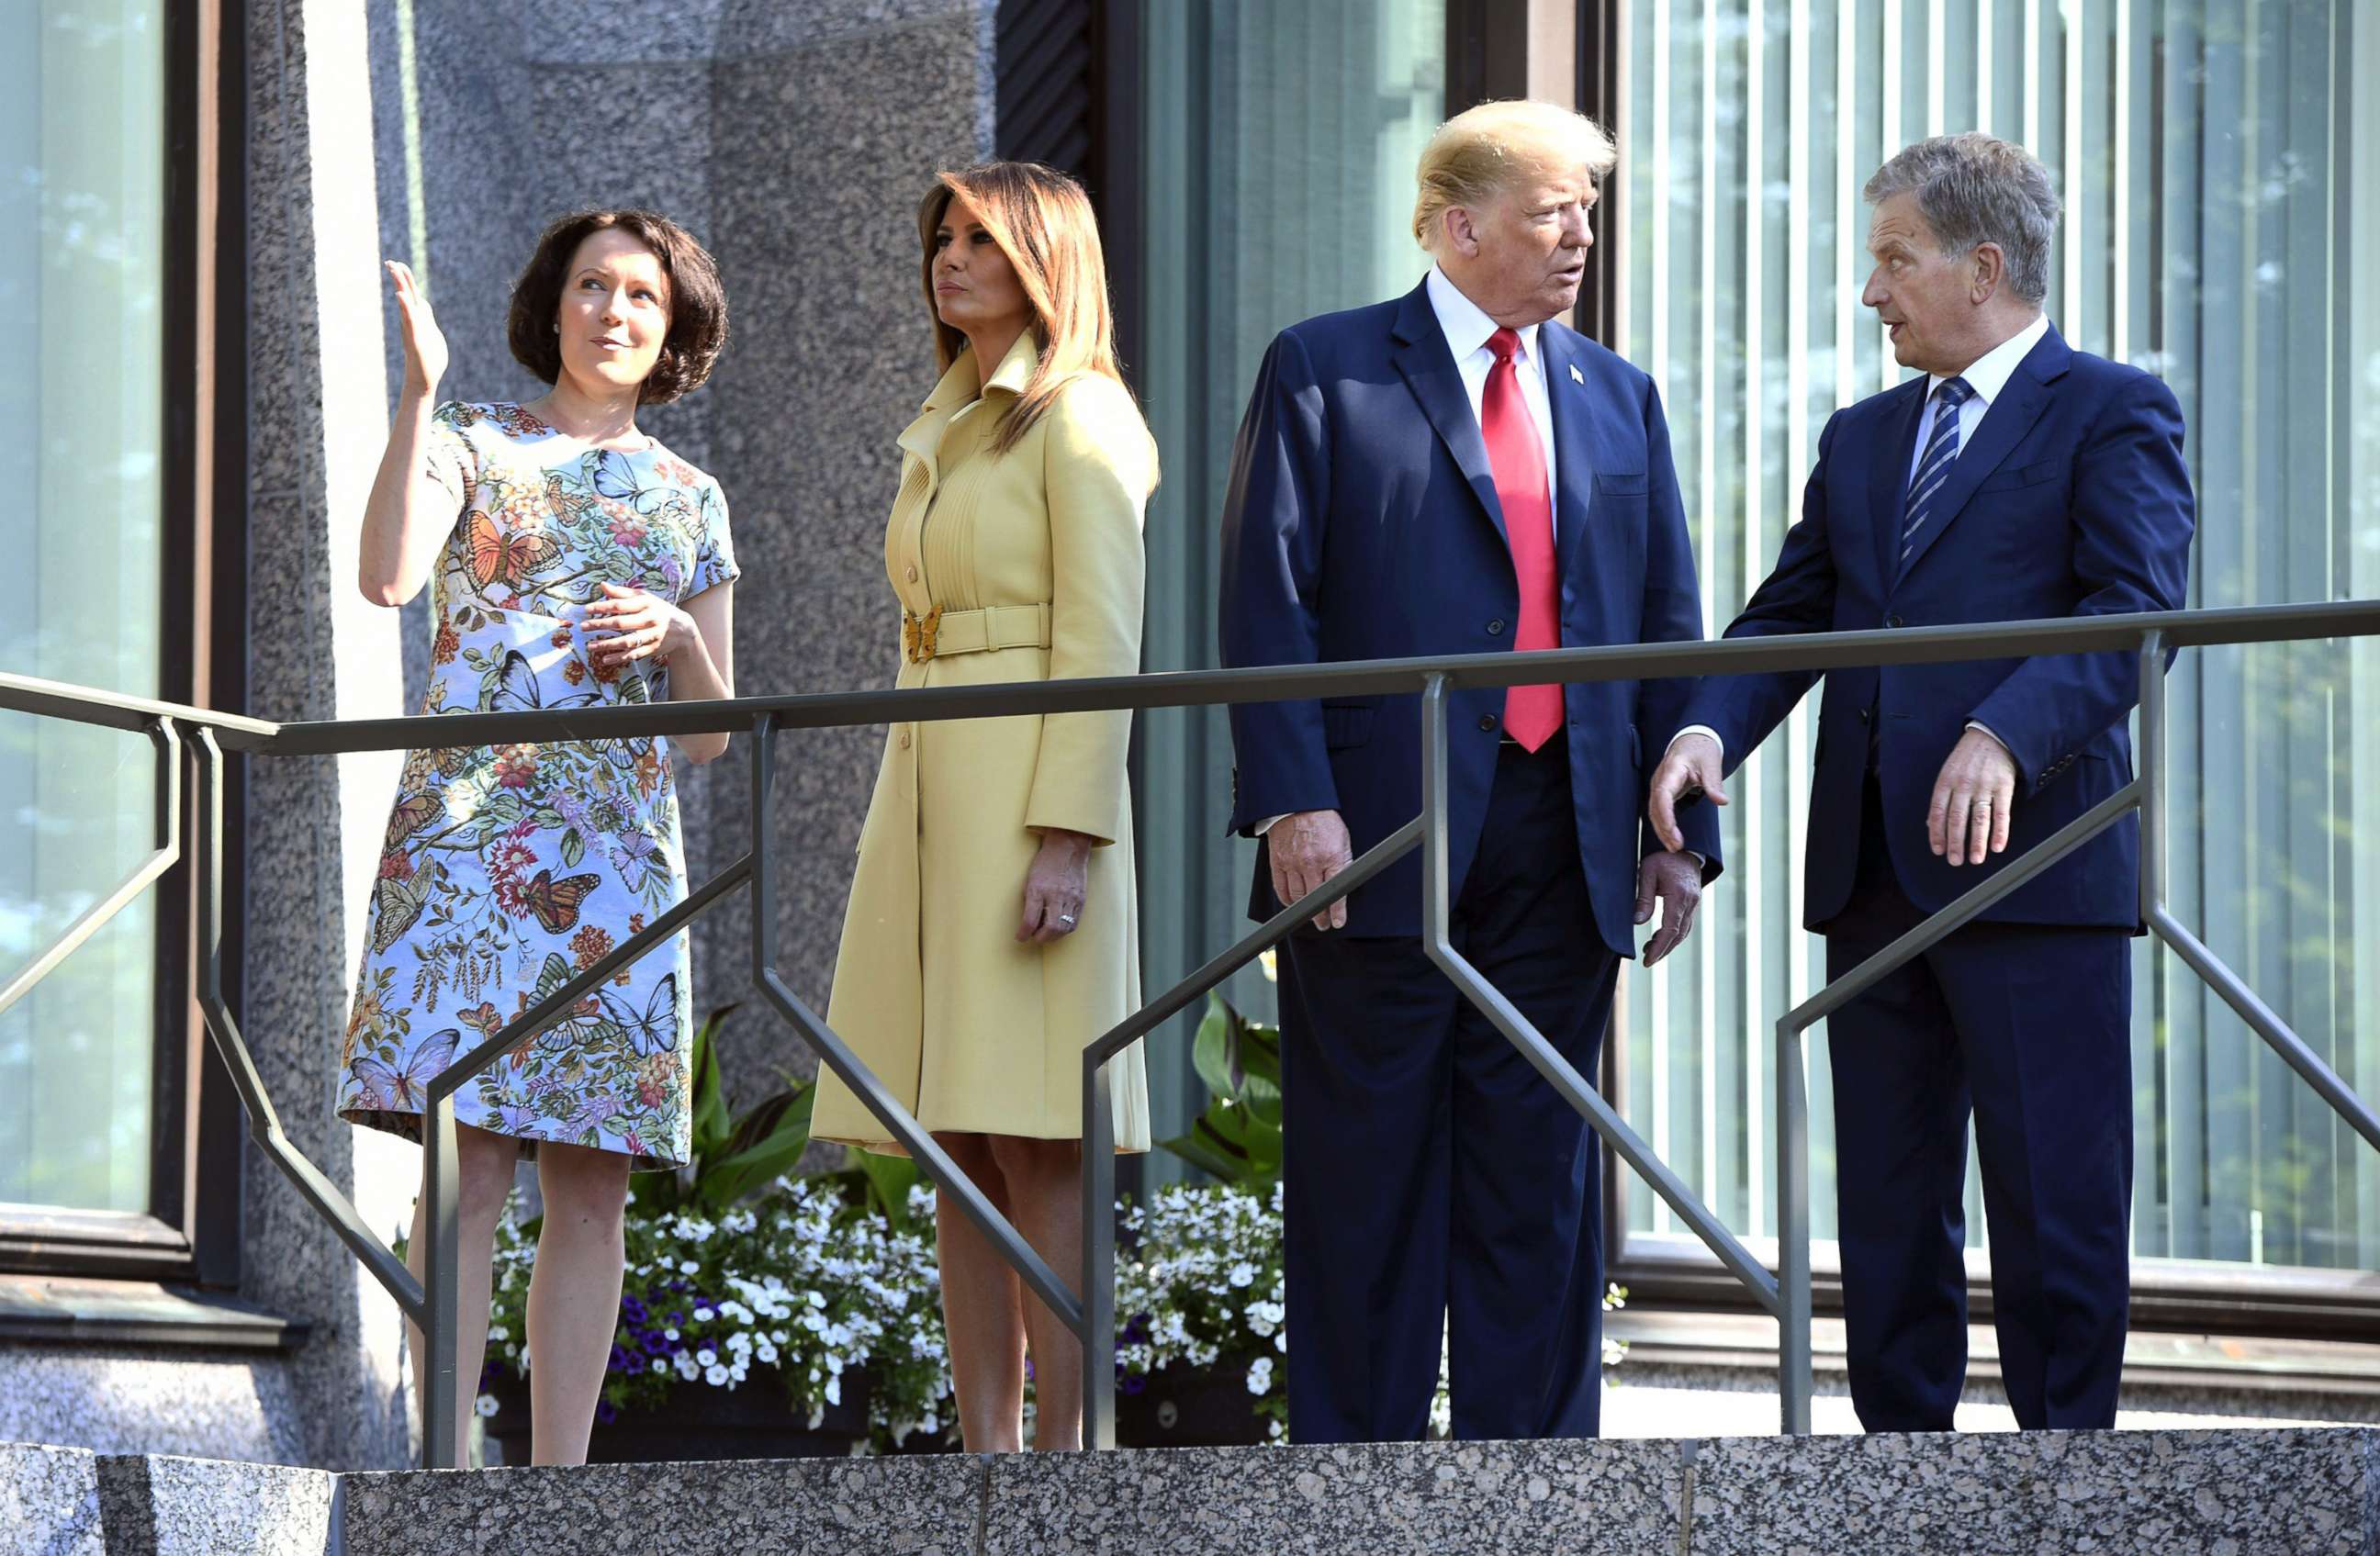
x=185 y=1234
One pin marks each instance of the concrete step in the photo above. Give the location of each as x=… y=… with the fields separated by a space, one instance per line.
x=2179 y=1493
x=1707 y=1374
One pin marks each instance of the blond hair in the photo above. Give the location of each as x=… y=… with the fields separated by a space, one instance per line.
x=1487 y=150
x=1042 y=221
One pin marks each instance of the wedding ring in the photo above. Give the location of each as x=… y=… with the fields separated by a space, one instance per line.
x=1066 y=918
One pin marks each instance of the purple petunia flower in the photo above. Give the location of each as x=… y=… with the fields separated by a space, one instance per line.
x=633 y=1310
x=606 y=1412
x=1130 y=1382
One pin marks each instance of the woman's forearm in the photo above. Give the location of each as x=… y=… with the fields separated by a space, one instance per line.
x=408 y=515
x=696 y=675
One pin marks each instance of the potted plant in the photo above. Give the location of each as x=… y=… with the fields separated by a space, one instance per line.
x=763 y=1314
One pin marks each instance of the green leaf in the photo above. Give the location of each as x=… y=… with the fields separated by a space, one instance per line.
x=890 y=1178
x=711 y=1124
x=573 y=849
x=1211 y=1052
x=1193 y=1150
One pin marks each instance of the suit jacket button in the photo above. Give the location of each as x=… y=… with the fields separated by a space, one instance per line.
x=1866 y=714
x=1496 y=628
x=1486 y=720
x=1894 y=620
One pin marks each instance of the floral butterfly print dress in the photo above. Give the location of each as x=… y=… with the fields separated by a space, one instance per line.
x=506 y=869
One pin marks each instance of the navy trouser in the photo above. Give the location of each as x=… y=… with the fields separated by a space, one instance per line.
x=2028 y=1028
x=1431 y=1176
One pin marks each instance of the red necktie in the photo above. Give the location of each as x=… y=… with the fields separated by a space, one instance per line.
x=1518 y=458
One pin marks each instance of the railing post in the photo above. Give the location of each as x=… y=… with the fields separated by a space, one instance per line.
x=1436 y=908
x=1099 y=1256
x=2152 y=772
x=442 y=1447
x=1793 y=1375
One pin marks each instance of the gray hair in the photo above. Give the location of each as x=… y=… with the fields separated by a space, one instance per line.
x=1974 y=189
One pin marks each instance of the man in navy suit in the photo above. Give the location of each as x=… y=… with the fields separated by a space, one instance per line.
x=1456 y=472
x=2015 y=477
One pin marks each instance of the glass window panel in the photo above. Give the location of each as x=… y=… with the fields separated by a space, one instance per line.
x=1281 y=144
x=82 y=149
x=2219 y=232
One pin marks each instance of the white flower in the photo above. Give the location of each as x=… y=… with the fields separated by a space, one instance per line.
x=485 y=1405
x=706 y=1357
x=669 y=1333
x=497 y=1332
x=1243 y=1273
x=689 y=1268
x=765 y=1351
x=686 y=1368
x=660 y=1364
x=715 y=1376
x=834 y=1389
x=1260 y=1375
x=703 y=1315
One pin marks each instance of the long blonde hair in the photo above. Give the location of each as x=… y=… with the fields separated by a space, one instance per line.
x=1042 y=221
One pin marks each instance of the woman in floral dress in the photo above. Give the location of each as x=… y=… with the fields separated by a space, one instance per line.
x=575 y=563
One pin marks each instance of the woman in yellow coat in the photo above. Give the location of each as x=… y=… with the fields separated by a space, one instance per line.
x=992 y=933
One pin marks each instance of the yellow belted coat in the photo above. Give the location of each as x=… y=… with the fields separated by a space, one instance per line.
x=1033 y=559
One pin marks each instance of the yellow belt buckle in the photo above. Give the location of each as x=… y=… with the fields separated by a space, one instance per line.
x=917 y=633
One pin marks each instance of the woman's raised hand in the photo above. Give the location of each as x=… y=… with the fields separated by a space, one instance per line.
x=425 y=348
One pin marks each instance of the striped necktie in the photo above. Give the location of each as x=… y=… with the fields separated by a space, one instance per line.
x=1941 y=453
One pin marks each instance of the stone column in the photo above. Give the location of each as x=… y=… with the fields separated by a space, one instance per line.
x=316 y=418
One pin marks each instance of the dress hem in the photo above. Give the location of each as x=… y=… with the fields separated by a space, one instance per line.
x=407 y=1124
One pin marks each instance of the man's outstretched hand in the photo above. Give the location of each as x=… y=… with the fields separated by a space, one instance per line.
x=1689 y=766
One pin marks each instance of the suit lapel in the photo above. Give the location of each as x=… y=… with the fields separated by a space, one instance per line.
x=1888 y=482
x=1428 y=369
x=2005 y=422
x=1573 y=409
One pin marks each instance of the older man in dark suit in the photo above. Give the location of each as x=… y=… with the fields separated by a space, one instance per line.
x=1451 y=471
x=2013 y=478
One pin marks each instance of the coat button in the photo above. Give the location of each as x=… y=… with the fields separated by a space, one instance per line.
x=1486 y=720
x=1496 y=628
x=913 y=573
x=1894 y=620
x=904 y=740
x=1866 y=714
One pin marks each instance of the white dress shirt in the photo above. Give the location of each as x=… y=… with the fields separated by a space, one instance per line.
x=1467 y=331
x=1987 y=376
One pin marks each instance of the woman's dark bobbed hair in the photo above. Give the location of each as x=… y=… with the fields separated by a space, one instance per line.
x=698 y=304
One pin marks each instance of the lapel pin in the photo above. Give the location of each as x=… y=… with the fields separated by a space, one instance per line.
x=1575 y=375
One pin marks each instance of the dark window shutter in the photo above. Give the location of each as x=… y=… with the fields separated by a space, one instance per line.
x=1047 y=55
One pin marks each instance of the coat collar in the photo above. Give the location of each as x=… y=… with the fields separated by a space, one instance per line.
x=961 y=386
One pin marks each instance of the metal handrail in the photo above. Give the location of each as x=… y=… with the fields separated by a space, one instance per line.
x=432 y=1303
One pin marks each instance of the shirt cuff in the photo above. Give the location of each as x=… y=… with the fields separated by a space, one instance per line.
x=1699 y=730
x=1266 y=823
x=1982 y=729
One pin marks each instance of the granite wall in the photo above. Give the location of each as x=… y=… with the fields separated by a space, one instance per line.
x=793 y=139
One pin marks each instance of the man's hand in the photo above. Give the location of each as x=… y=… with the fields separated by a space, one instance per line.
x=1972 y=799
x=1676 y=879
x=1689 y=766
x=1307 y=848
